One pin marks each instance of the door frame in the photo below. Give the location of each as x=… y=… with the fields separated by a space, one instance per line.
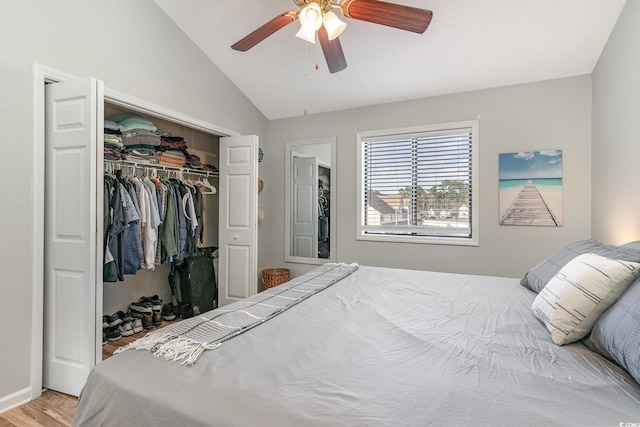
x=41 y=75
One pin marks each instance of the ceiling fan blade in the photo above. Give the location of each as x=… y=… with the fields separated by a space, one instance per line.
x=332 y=51
x=392 y=15
x=264 y=31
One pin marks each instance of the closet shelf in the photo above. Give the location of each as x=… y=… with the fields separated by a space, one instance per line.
x=213 y=174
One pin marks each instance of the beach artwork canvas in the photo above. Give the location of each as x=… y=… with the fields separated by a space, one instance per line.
x=531 y=188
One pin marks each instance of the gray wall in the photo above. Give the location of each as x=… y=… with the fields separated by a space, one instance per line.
x=134 y=48
x=616 y=145
x=546 y=115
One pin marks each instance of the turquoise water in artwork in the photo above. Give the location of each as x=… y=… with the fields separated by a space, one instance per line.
x=550 y=183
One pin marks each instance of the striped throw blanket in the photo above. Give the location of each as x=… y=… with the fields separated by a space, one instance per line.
x=188 y=339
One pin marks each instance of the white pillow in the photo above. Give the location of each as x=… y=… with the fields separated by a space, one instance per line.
x=575 y=298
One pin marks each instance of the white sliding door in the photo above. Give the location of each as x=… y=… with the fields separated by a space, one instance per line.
x=72 y=273
x=238 y=232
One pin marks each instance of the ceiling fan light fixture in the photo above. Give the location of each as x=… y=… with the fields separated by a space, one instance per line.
x=333 y=25
x=306 y=35
x=311 y=17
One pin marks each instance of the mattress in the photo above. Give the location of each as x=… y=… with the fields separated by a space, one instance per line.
x=382 y=347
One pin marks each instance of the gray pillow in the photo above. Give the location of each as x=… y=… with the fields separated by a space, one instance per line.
x=616 y=335
x=632 y=245
x=536 y=278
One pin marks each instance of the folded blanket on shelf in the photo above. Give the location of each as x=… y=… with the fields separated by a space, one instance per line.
x=141 y=136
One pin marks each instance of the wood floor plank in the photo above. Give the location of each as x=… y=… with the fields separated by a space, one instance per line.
x=52 y=409
x=6 y=423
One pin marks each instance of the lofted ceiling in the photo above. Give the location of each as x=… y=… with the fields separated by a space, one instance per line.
x=470 y=45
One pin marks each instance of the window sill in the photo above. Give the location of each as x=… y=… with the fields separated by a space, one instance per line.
x=452 y=241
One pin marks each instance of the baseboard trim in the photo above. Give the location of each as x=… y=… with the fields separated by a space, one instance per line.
x=14 y=400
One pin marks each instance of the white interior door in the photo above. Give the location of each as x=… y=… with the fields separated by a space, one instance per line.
x=72 y=291
x=238 y=230
x=304 y=197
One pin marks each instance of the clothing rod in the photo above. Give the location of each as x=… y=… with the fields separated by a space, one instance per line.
x=213 y=174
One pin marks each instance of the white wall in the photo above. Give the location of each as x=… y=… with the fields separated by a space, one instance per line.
x=546 y=115
x=616 y=142
x=134 y=48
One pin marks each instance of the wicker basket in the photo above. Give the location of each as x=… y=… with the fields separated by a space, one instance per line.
x=274 y=276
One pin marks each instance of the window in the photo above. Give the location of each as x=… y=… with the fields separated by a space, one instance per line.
x=417 y=184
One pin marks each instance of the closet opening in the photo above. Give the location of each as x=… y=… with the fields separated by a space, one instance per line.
x=176 y=158
x=205 y=141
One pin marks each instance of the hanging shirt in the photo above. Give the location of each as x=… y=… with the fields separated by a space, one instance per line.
x=151 y=231
x=109 y=271
x=169 y=227
x=142 y=208
x=161 y=191
x=131 y=245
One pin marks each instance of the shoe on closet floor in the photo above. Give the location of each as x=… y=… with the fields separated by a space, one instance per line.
x=137 y=326
x=147 y=321
x=136 y=321
x=156 y=303
x=113 y=333
x=114 y=320
x=105 y=322
x=156 y=317
x=169 y=312
x=141 y=307
x=126 y=328
x=156 y=308
x=125 y=317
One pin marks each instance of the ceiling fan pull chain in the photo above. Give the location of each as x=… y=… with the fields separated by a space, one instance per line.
x=317 y=62
x=306 y=76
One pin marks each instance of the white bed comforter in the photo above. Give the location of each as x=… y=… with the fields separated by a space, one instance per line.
x=382 y=347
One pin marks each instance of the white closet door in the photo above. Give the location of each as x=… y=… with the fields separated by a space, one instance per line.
x=71 y=286
x=238 y=231
x=304 y=217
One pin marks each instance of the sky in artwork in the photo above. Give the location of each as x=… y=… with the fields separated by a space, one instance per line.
x=531 y=165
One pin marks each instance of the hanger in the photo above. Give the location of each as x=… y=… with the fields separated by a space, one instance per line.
x=209 y=189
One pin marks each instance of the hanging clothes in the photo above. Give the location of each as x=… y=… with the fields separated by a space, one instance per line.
x=148 y=221
x=123 y=215
x=323 y=219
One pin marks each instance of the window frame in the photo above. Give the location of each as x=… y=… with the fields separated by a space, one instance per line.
x=473 y=240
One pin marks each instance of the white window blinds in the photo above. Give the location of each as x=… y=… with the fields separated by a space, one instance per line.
x=418 y=184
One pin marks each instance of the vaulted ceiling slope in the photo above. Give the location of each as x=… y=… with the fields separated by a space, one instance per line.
x=470 y=45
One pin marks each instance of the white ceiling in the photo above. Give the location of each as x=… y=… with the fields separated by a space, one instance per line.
x=470 y=44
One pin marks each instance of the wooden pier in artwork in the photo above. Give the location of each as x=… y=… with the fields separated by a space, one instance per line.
x=529 y=208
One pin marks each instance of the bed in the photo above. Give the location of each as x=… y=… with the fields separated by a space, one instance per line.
x=381 y=347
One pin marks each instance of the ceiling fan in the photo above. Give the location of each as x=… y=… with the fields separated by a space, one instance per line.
x=316 y=16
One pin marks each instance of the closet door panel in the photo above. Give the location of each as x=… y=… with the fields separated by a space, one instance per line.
x=73 y=130
x=238 y=257
x=238 y=218
x=304 y=197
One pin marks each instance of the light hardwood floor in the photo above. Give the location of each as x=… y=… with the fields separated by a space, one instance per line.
x=54 y=409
